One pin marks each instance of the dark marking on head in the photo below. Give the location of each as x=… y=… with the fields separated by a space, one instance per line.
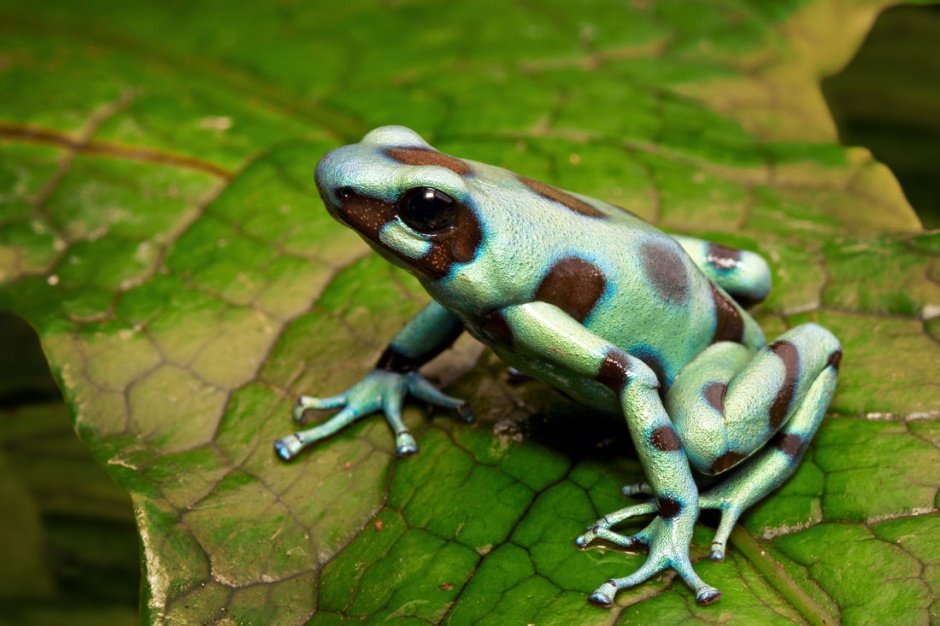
x=364 y=214
x=791 y=445
x=369 y=215
x=464 y=244
x=561 y=197
x=426 y=156
x=791 y=363
x=668 y=507
x=573 y=285
x=715 y=396
x=722 y=257
x=666 y=271
x=614 y=372
x=835 y=360
x=664 y=439
x=729 y=324
x=394 y=361
x=726 y=461
x=496 y=327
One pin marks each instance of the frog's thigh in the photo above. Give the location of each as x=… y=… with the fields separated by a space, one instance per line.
x=728 y=402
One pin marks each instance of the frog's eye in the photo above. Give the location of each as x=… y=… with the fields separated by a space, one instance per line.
x=427 y=210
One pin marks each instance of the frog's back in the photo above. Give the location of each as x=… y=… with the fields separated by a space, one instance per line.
x=622 y=278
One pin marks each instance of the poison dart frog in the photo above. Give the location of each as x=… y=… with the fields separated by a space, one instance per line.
x=592 y=300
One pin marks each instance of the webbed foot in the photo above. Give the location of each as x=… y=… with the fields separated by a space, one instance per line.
x=668 y=541
x=379 y=391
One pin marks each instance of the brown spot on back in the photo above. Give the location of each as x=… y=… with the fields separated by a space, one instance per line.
x=668 y=507
x=426 y=156
x=614 y=372
x=723 y=257
x=715 y=396
x=561 y=197
x=791 y=362
x=665 y=269
x=664 y=439
x=791 y=445
x=573 y=285
x=726 y=461
x=729 y=325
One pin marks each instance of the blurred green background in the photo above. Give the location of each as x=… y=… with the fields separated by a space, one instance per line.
x=68 y=546
x=888 y=100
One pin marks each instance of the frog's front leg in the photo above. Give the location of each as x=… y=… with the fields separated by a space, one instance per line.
x=546 y=333
x=395 y=376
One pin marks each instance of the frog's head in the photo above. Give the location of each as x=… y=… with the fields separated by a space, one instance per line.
x=407 y=200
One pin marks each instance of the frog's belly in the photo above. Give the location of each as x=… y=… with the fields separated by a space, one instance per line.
x=586 y=391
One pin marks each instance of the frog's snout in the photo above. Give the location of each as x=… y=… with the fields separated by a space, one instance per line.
x=325 y=178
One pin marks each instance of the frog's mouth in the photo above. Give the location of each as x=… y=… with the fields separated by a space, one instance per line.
x=360 y=212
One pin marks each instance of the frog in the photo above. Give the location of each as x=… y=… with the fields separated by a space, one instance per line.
x=619 y=316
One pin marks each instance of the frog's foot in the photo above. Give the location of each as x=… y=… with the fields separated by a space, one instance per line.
x=637 y=489
x=730 y=514
x=601 y=528
x=664 y=553
x=379 y=391
x=515 y=377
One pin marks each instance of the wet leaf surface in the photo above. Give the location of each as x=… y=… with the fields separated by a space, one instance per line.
x=161 y=231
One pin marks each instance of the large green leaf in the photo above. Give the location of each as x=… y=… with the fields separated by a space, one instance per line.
x=160 y=230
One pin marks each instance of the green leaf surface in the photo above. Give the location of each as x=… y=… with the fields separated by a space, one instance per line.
x=160 y=229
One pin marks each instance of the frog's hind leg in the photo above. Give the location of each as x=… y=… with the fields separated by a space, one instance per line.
x=780 y=395
x=770 y=467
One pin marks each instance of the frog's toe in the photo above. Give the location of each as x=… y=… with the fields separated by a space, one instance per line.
x=637 y=489
x=611 y=519
x=601 y=531
x=310 y=402
x=405 y=444
x=466 y=413
x=707 y=595
x=288 y=447
x=515 y=377
x=421 y=388
x=583 y=541
x=604 y=596
x=718 y=551
x=592 y=532
x=730 y=514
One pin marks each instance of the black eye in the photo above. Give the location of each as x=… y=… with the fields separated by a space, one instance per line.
x=427 y=210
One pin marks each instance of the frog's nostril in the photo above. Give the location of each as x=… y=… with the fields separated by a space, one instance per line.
x=344 y=193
